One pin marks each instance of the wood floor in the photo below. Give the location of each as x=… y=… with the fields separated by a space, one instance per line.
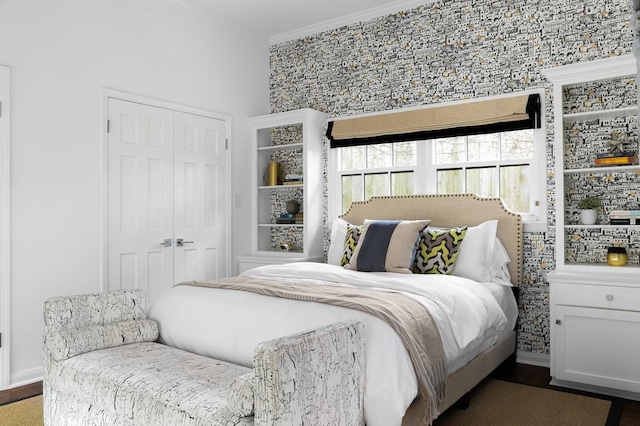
x=23 y=392
x=509 y=371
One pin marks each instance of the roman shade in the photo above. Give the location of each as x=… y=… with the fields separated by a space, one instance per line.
x=469 y=118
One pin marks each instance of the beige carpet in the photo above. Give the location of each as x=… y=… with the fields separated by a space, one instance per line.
x=27 y=412
x=498 y=403
x=493 y=403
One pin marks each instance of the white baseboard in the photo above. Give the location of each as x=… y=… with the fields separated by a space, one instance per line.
x=540 y=360
x=596 y=389
x=26 y=377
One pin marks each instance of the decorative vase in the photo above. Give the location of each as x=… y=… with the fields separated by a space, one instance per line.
x=617 y=256
x=293 y=207
x=588 y=217
x=272 y=174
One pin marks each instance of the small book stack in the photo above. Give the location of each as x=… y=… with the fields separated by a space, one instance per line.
x=624 y=217
x=293 y=179
x=618 y=159
x=290 y=219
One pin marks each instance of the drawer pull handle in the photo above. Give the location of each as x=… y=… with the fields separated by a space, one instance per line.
x=609 y=297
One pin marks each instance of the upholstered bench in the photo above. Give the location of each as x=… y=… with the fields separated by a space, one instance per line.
x=104 y=367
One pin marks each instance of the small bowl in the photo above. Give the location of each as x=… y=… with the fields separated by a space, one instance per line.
x=617 y=256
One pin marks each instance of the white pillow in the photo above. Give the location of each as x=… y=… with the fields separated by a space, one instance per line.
x=336 y=245
x=474 y=254
x=498 y=265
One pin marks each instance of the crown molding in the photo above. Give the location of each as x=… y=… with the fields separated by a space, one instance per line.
x=598 y=69
x=366 y=15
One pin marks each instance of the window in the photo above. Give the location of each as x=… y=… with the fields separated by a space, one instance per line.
x=499 y=164
x=491 y=165
x=493 y=147
x=381 y=169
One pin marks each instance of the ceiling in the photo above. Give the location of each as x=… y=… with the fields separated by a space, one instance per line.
x=281 y=20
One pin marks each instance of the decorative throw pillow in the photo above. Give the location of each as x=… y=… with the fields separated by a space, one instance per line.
x=351 y=239
x=387 y=246
x=437 y=250
x=474 y=254
x=336 y=245
x=69 y=342
x=499 y=264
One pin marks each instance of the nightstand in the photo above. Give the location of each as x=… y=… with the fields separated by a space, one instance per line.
x=595 y=330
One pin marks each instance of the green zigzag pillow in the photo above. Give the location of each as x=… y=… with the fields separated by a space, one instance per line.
x=437 y=250
x=350 y=242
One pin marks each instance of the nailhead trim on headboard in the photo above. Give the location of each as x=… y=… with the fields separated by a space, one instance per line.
x=448 y=211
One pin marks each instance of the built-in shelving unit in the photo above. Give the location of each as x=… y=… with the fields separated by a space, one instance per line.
x=595 y=308
x=294 y=140
x=585 y=118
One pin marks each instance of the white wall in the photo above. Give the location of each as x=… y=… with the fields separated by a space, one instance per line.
x=61 y=55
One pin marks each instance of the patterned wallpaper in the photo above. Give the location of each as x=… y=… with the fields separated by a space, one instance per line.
x=291 y=163
x=449 y=50
x=618 y=191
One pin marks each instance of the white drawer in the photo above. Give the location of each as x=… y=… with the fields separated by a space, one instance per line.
x=607 y=297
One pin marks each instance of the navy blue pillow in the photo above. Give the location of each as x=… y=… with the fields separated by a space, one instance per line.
x=387 y=246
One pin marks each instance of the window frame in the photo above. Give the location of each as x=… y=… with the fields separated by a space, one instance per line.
x=425 y=171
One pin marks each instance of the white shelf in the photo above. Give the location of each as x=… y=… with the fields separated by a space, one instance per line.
x=603 y=266
x=600 y=226
x=606 y=113
x=603 y=169
x=283 y=147
x=281 y=186
x=280 y=225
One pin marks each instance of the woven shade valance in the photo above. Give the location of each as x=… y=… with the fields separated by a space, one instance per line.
x=470 y=118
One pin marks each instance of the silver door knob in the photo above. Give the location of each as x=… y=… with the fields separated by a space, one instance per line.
x=167 y=242
x=181 y=242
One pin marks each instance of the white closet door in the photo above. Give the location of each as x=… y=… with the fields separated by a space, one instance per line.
x=140 y=197
x=200 y=197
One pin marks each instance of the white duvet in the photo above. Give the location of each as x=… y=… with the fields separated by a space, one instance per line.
x=227 y=324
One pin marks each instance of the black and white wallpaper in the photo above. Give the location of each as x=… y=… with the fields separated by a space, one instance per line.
x=450 y=50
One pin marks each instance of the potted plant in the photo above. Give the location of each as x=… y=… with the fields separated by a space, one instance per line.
x=589 y=210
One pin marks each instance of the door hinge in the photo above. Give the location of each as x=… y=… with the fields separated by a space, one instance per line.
x=108 y=126
x=226 y=144
x=0 y=340
x=0 y=109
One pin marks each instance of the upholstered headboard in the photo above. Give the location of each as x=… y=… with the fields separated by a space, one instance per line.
x=448 y=211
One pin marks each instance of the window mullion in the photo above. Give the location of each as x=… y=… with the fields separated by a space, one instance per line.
x=464 y=178
x=426 y=172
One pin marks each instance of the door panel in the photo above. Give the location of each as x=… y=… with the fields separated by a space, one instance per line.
x=200 y=215
x=598 y=347
x=139 y=197
x=166 y=180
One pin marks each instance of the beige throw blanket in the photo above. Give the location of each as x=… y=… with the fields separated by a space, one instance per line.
x=409 y=318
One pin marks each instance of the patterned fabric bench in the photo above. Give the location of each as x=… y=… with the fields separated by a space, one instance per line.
x=103 y=367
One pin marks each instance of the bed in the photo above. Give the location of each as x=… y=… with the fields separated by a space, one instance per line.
x=227 y=324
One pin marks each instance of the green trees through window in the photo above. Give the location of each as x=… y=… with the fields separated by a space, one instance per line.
x=490 y=165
